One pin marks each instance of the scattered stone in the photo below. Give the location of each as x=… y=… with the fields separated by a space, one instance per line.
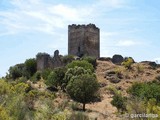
x=119 y=88
x=114 y=79
x=102 y=84
x=110 y=72
x=148 y=73
x=112 y=76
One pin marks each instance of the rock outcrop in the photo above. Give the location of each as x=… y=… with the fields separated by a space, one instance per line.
x=117 y=59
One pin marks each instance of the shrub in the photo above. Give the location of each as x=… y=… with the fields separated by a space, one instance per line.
x=135 y=105
x=112 y=90
x=56 y=77
x=60 y=116
x=119 y=102
x=139 y=68
x=45 y=73
x=5 y=88
x=91 y=60
x=67 y=58
x=3 y=114
x=51 y=80
x=74 y=105
x=82 y=63
x=151 y=107
x=37 y=76
x=82 y=88
x=22 y=79
x=78 y=116
x=128 y=63
x=146 y=90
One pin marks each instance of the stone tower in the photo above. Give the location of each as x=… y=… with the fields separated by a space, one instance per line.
x=84 y=40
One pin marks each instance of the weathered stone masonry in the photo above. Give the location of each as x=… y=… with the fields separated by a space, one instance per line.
x=84 y=40
x=45 y=61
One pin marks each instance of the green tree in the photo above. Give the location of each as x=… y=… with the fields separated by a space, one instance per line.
x=76 y=71
x=56 y=77
x=16 y=71
x=83 y=88
x=86 y=65
x=30 y=67
x=45 y=73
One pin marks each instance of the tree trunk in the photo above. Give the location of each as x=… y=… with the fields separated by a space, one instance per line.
x=84 y=106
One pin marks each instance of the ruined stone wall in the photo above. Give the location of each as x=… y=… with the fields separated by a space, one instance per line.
x=45 y=61
x=84 y=40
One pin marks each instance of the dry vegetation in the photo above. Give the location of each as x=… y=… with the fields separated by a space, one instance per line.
x=60 y=105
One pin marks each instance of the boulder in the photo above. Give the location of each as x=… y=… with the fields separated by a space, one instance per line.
x=114 y=79
x=112 y=76
x=117 y=59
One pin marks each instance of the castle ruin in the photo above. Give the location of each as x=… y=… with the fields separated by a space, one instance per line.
x=45 y=61
x=84 y=40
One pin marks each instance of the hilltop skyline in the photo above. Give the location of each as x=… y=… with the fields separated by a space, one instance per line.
x=127 y=27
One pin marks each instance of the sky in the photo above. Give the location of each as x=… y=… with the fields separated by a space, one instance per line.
x=127 y=27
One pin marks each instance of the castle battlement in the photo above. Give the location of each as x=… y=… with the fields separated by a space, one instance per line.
x=83 y=26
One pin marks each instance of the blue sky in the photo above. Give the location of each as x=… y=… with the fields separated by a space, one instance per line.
x=128 y=27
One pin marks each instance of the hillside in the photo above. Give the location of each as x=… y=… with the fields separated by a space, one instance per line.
x=103 y=109
x=39 y=101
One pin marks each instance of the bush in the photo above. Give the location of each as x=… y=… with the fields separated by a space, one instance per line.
x=74 y=105
x=67 y=58
x=4 y=88
x=119 y=102
x=3 y=114
x=151 y=107
x=78 y=116
x=91 y=60
x=135 y=105
x=139 y=68
x=36 y=77
x=45 y=73
x=84 y=64
x=22 y=79
x=56 y=77
x=146 y=91
x=112 y=90
x=82 y=88
x=128 y=63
